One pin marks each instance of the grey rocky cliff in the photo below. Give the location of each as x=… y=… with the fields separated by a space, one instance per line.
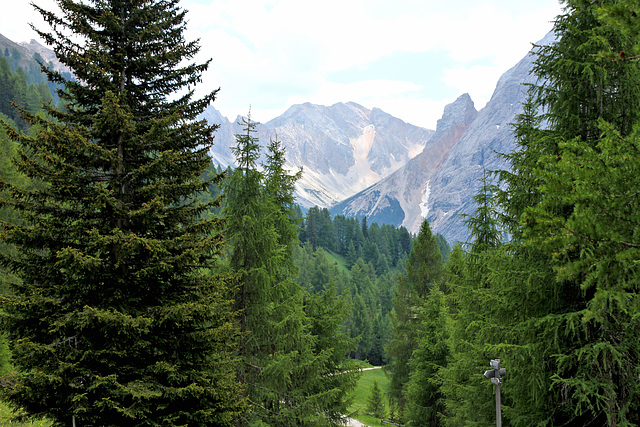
x=439 y=184
x=366 y=162
x=457 y=181
x=342 y=148
x=397 y=199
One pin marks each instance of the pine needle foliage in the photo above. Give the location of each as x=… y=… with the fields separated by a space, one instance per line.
x=424 y=269
x=117 y=320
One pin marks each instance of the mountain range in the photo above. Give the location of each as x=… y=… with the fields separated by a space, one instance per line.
x=25 y=53
x=360 y=162
x=342 y=149
x=439 y=183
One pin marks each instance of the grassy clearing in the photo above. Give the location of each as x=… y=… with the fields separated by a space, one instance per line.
x=339 y=261
x=361 y=395
x=8 y=417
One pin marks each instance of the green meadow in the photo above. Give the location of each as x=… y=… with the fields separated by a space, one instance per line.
x=361 y=394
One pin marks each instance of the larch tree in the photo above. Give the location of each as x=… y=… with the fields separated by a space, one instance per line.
x=116 y=320
x=289 y=365
x=567 y=198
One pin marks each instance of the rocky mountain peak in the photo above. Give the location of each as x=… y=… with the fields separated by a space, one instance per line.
x=399 y=199
x=342 y=148
x=440 y=182
x=460 y=111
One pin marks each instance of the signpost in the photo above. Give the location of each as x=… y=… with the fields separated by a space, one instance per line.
x=494 y=374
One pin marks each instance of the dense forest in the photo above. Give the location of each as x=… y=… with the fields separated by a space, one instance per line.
x=143 y=285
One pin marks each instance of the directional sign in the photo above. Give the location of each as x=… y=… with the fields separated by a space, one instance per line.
x=492 y=373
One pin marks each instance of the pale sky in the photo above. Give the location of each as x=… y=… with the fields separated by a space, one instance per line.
x=407 y=57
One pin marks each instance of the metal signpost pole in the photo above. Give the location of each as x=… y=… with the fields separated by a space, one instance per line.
x=498 y=401
x=494 y=375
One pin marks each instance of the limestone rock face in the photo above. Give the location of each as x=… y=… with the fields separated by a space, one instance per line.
x=342 y=149
x=453 y=186
x=362 y=162
x=398 y=199
x=439 y=183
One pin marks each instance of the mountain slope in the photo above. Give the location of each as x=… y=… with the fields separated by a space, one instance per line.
x=457 y=181
x=342 y=149
x=23 y=54
x=397 y=199
x=440 y=184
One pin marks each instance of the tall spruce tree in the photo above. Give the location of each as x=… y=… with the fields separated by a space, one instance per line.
x=425 y=400
x=116 y=321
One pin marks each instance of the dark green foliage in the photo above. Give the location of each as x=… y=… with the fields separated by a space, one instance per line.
x=385 y=246
x=566 y=200
x=577 y=87
x=424 y=269
x=597 y=247
x=425 y=400
x=117 y=319
x=374 y=262
x=360 y=326
x=443 y=245
x=483 y=225
x=280 y=187
x=315 y=272
x=472 y=338
x=14 y=88
x=458 y=332
x=328 y=391
x=380 y=333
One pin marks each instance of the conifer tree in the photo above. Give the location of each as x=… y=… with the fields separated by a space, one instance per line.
x=116 y=320
x=425 y=400
x=288 y=371
x=598 y=247
x=424 y=269
x=280 y=188
x=375 y=403
x=558 y=216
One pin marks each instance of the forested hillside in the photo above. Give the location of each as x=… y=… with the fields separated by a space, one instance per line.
x=323 y=277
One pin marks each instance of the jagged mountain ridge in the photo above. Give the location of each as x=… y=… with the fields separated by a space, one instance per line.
x=342 y=148
x=27 y=50
x=442 y=190
x=397 y=199
x=400 y=172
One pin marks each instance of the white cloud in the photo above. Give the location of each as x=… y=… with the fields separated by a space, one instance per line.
x=478 y=81
x=270 y=54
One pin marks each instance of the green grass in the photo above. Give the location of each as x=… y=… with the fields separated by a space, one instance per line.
x=339 y=261
x=7 y=417
x=361 y=395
